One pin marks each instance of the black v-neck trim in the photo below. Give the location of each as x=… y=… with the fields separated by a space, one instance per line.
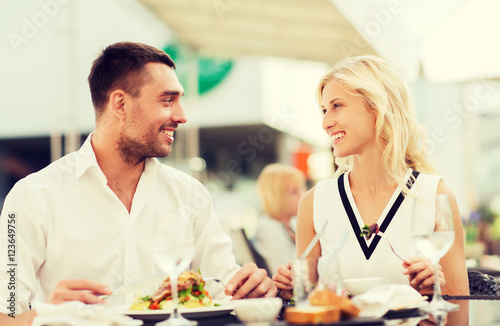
x=368 y=250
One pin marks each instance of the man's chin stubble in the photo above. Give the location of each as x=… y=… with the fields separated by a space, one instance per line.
x=133 y=153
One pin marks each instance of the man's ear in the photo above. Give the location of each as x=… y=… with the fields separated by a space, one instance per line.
x=117 y=104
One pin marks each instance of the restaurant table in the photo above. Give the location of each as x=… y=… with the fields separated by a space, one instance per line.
x=474 y=311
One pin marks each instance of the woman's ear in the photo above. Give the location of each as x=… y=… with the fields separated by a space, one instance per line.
x=117 y=104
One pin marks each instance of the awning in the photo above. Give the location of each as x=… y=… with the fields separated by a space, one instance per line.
x=307 y=30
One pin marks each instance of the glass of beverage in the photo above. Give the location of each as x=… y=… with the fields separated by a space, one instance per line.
x=434 y=244
x=174 y=252
x=301 y=284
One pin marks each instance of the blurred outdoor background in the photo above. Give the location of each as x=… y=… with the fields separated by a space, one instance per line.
x=250 y=69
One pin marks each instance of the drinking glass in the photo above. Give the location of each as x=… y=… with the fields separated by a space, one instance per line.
x=301 y=284
x=434 y=244
x=174 y=251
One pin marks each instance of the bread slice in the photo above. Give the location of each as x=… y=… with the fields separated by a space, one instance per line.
x=330 y=298
x=324 y=298
x=312 y=315
x=349 y=310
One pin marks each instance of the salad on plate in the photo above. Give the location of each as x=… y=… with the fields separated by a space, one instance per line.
x=192 y=294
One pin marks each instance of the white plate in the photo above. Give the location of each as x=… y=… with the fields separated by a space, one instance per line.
x=190 y=313
x=413 y=305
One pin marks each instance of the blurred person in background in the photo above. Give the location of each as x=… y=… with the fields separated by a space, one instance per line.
x=379 y=149
x=88 y=221
x=279 y=187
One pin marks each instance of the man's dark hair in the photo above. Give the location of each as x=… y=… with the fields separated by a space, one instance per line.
x=121 y=66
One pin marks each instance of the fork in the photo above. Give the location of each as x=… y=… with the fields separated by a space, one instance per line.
x=382 y=235
x=216 y=280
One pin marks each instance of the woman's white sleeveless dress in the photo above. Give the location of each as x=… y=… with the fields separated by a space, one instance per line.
x=358 y=257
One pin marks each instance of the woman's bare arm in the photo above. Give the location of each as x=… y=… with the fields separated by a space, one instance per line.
x=305 y=233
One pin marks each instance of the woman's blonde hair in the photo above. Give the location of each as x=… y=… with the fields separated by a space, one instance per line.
x=272 y=185
x=398 y=132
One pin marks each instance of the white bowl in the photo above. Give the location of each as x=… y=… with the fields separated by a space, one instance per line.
x=257 y=312
x=357 y=286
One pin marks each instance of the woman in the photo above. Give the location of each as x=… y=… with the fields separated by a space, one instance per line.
x=279 y=187
x=378 y=145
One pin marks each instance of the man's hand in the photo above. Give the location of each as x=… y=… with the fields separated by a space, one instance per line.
x=250 y=282
x=77 y=290
x=283 y=281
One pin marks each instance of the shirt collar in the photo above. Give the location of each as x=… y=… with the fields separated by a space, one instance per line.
x=87 y=158
x=88 y=161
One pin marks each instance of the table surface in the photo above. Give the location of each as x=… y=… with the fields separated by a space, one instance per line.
x=472 y=312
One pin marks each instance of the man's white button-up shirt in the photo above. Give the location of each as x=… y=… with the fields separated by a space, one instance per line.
x=70 y=225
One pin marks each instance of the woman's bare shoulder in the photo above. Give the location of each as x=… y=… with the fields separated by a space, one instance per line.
x=443 y=189
x=307 y=197
x=306 y=204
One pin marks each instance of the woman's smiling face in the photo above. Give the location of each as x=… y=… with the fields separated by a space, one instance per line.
x=347 y=120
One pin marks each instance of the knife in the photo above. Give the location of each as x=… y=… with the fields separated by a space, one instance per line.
x=313 y=242
x=335 y=252
x=148 y=281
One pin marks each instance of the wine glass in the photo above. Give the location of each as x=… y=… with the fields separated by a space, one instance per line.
x=434 y=243
x=174 y=251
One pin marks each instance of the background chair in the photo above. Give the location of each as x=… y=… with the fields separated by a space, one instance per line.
x=483 y=284
x=244 y=252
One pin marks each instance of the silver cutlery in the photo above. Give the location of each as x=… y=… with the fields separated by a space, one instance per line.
x=148 y=281
x=216 y=280
x=382 y=235
x=313 y=242
x=336 y=251
x=310 y=246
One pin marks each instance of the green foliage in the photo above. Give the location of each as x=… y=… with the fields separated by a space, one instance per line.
x=495 y=229
x=471 y=233
x=481 y=221
x=487 y=214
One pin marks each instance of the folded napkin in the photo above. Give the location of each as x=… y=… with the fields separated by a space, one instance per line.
x=76 y=313
x=377 y=301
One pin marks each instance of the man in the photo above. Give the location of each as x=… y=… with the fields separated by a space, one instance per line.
x=87 y=222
